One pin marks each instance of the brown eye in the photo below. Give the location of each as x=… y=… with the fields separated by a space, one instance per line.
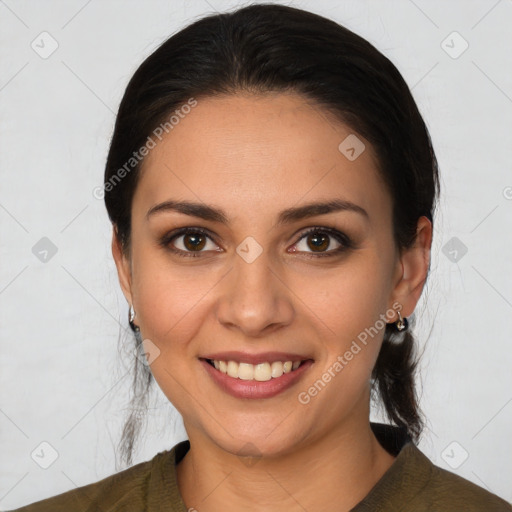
x=323 y=242
x=188 y=242
x=194 y=241
x=318 y=241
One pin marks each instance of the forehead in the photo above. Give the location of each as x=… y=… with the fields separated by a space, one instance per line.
x=260 y=153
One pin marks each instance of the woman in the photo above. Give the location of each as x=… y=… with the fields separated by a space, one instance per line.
x=272 y=188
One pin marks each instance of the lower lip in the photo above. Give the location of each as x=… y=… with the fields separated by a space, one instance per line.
x=252 y=388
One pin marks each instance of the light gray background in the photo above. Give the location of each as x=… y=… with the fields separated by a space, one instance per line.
x=62 y=380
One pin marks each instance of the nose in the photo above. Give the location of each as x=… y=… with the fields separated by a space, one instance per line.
x=255 y=299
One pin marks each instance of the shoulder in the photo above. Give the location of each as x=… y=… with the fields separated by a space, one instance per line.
x=413 y=483
x=444 y=491
x=125 y=490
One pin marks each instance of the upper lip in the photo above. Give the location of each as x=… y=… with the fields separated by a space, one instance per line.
x=261 y=357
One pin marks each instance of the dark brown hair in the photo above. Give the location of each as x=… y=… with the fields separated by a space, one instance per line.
x=274 y=48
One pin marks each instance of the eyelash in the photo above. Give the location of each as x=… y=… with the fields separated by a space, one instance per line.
x=342 y=238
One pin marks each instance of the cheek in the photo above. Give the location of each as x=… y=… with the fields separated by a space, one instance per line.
x=350 y=304
x=349 y=299
x=172 y=301
x=171 y=306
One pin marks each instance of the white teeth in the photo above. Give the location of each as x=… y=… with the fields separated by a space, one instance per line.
x=259 y=372
x=276 y=369
x=245 y=371
x=262 y=371
x=232 y=369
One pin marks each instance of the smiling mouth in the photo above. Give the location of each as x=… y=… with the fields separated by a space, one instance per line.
x=258 y=372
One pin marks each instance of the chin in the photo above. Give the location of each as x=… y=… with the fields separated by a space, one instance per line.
x=270 y=441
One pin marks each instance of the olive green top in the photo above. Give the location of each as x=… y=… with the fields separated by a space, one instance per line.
x=411 y=483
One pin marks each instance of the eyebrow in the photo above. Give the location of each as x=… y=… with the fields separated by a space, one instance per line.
x=286 y=216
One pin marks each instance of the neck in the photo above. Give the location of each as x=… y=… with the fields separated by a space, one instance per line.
x=340 y=468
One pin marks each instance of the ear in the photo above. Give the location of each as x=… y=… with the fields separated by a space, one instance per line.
x=412 y=269
x=123 y=266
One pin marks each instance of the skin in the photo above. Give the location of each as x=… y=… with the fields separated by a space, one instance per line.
x=254 y=156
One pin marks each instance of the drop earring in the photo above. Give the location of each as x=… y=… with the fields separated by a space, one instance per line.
x=401 y=324
x=131 y=317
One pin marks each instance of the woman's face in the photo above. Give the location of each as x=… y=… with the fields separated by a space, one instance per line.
x=254 y=281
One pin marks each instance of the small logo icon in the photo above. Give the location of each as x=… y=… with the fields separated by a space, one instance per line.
x=454 y=455
x=44 y=45
x=249 y=249
x=147 y=352
x=454 y=45
x=249 y=460
x=44 y=250
x=44 y=455
x=454 y=249
x=352 y=147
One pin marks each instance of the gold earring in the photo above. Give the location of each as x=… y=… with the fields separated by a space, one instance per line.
x=401 y=323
